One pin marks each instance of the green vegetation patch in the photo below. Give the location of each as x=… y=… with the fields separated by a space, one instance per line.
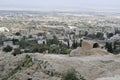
x=72 y=74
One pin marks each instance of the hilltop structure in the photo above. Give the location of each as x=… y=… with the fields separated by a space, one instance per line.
x=89 y=48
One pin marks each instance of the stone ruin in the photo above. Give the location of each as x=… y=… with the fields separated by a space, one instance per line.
x=88 y=48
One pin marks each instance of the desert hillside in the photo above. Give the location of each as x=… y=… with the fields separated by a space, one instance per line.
x=50 y=67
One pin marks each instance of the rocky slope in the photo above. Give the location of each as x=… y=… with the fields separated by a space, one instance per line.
x=50 y=67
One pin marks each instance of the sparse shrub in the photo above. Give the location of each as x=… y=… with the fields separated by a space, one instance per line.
x=16 y=52
x=75 y=44
x=7 y=49
x=43 y=48
x=26 y=62
x=99 y=35
x=29 y=79
x=23 y=44
x=72 y=75
x=53 y=41
x=17 y=33
x=109 y=48
x=54 y=49
x=15 y=41
x=1 y=42
x=64 y=51
x=109 y=35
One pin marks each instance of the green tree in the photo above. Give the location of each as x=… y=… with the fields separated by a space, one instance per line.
x=23 y=43
x=7 y=49
x=75 y=44
x=110 y=35
x=109 y=48
x=99 y=35
x=17 y=33
x=53 y=41
x=15 y=41
x=1 y=42
x=68 y=44
x=43 y=48
x=64 y=50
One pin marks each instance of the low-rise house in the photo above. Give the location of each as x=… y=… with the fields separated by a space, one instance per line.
x=64 y=41
x=42 y=41
x=9 y=43
x=6 y=43
x=34 y=36
x=4 y=29
x=115 y=37
x=49 y=36
x=17 y=37
x=13 y=37
x=9 y=36
x=41 y=35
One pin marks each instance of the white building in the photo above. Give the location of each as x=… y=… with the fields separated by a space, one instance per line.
x=4 y=29
x=41 y=41
x=115 y=37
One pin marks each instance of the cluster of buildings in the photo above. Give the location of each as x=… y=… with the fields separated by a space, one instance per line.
x=66 y=27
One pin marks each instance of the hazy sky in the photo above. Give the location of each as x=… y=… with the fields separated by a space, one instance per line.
x=61 y=4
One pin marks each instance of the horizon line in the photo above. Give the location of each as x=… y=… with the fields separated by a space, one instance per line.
x=63 y=10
